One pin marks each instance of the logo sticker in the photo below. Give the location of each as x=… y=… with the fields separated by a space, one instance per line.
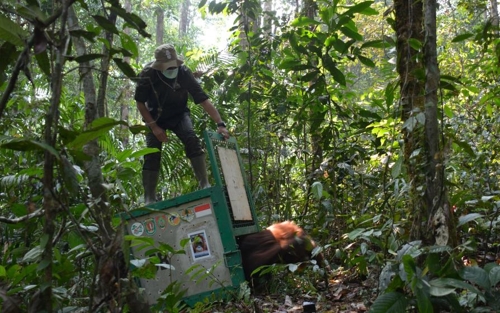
x=137 y=229
x=161 y=221
x=174 y=219
x=150 y=226
x=187 y=214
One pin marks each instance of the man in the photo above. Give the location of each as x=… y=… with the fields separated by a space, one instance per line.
x=162 y=96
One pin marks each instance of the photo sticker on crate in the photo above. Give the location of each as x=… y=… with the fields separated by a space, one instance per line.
x=199 y=245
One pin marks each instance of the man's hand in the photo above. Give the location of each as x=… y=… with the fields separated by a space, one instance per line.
x=223 y=131
x=159 y=132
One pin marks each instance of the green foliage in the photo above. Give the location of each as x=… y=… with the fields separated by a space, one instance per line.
x=314 y=103
x=441 y=284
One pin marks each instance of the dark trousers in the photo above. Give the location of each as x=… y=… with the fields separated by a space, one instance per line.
x=184 y=131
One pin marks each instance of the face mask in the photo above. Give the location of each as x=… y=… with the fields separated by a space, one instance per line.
x=171 y=73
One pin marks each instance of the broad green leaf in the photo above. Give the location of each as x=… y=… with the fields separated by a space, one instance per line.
x=12 y=32
x=22 y=144
x=43 y=62
x=467 y=218
x=420 y=118
x=138 y=240
x=292 y=39
x=476 y=275
x=106 y=24
x=70 y=176
x=165 y=266
x=132 y=20
x=392 y=302
x=289 y=63
x=136 y=129
x=138 y=262
x=143 y=152
x=317 y=190
x=380 y=44
x=123 y=155
x=43 y=265
x=330 y=65
x=440 y=291
x=292 y=267
x=411 y=248
x=410 y=266
x=462 y=37
x=304 y=21
x=351 y=33
x=448 y=111
x=32 y=12
x=3 y=272
x=457 y=283
x=43 y=241
x=90 y=36
x=494 y=275
x=129 y=44
x=88 y=57
x=98 y=128
x=9 y=55
x=355 y=233
x=389 y=95
x=18 y=277
x=465 y=147
x=360 y=8
x=366 y=61
x=415 y=44
x=125 y=68
x=423 y=300
x=396 y=168
x=33 y=255
x=410 y=123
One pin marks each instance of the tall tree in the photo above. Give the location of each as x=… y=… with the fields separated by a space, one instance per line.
x=423 y=151
x=184 y=20
x=160 y=25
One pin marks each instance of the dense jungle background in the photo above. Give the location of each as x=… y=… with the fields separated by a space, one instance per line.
x=372 y=124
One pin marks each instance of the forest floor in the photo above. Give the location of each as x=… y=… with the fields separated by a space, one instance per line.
x=346 y=293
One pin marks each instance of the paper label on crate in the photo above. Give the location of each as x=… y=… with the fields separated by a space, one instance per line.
x=203 y=210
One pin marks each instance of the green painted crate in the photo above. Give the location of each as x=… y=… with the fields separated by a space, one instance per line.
x=211 y=218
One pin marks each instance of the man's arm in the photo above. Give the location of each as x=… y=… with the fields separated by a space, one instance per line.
x=148 y=119
x=214 y=114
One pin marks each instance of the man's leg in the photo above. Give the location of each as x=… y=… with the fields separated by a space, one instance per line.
x=151 y=169
x=200 y=170
x=192 y=145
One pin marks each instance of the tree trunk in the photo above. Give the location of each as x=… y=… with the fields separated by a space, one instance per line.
x=495 y=21
x=184 y=22
x=50 y=205
x=110 y=262
x=267 y=23
x=423 y=153
x=160 y=25
x=310 y=10
x=409 y=18
x=126 y=93
x=440 y=216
